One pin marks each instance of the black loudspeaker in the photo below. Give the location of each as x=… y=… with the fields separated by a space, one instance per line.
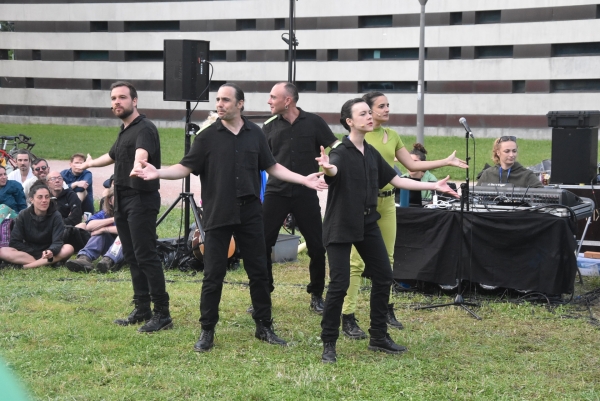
x=185 y=70
x=574 y=155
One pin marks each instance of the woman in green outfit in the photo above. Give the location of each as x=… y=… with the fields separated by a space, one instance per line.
x=390 y=146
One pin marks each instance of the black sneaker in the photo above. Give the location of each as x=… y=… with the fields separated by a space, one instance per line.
x=381 y=341
x=82 y=264
x=105 y=265
x=264 y=332
x=206 y=341
x=161 y=320
x=351 y=329
x=317 y=304
x=329 y=354
x=391 y=318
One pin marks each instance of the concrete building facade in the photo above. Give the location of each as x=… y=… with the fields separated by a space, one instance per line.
x=502 y=64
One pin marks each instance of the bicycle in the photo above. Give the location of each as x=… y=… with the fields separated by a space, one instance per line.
x=8 y=157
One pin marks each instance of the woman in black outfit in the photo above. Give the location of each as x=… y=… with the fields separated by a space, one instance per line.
x=36 y=238
x=355 y=172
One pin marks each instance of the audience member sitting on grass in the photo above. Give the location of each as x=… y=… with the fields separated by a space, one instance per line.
x=11 y=193
x=36 y=239
x=69 y=205
x=103 y=241
x=23 y=172
x=40 y=172
x=80 y=181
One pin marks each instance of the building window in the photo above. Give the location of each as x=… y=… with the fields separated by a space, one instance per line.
x=245 y=25
x=518 y=86
x=154 y=26
x=306 y=86
x=3 y=54
x=390 y=54
x=575 y=49
x=304 y=55
x=240 y=55
x=454 y=53
x=279 y=24
x=91 y=55
x=143 y=55
x=96 y=84
x=493 y=51
x=575 y=85
x=455 y=18
x=333 y=55
x=488 y=17
x=29 y=83
x=373 y=21
x=36 y=54
x=388 y=86
x=332 y=86
x=218 y=55
x=98 y=26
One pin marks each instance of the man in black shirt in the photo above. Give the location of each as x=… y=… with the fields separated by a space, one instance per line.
x=227 y=156
x=294 y=137
x=137 y=203
x=67 y=201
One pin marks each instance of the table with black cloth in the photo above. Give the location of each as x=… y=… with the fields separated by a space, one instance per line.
x=519 y=250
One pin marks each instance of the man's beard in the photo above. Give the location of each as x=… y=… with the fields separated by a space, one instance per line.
x=125 y=113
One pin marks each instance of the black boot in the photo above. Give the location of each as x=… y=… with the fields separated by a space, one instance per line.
x=391 y=318
x=329 y=354
x=206 y=341
x=141 y=313
x=381 y=341
x=316 y=304
x=82 y=264
x=264 y=332
x=161 y=320
x=350 y=328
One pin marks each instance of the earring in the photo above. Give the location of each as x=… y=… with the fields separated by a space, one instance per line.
x=286 y=107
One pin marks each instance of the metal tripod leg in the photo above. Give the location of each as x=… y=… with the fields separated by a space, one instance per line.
x=188 y=197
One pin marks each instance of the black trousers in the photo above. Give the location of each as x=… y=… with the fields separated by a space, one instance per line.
x=377 y=267
x=250 y=238
x=307 y=212
x=135 y=218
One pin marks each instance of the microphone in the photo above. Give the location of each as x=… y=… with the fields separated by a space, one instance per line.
x=463 y=121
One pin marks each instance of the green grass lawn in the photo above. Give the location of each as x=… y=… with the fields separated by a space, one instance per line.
x=61 y=141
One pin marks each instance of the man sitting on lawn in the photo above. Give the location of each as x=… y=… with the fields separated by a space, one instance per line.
x=23 y=171
x=67 y=202
x=80 y=181
x=40 y=172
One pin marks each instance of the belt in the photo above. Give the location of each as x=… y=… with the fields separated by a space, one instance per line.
x=127 y=192
x=244 y=200
x=385 y=194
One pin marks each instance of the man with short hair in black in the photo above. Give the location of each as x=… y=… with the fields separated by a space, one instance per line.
x=295 y=138
x=228 y=156
x=137 y=203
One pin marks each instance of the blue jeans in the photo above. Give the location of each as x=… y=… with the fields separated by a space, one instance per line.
x=102 y=244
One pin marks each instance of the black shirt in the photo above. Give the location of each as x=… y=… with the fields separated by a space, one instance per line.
x=228 y=166
x=141 y=133
x=69 y=207
x=352 y=191
x=295 y=146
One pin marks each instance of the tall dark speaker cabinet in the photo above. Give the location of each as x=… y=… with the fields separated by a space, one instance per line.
x=574 y=155
x=185 y=70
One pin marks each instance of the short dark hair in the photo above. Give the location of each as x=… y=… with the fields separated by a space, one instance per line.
x=38 y=161
x=239 y=93
x=291 y=90
x=24 y=152
x=347 y=110
x=132 y=91
x=371 y=96
x=81 y=155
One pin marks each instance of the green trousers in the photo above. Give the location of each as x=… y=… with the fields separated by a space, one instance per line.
x=387 y=224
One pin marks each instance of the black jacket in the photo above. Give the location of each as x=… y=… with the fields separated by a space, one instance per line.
x=38 y=232
x=69 y=206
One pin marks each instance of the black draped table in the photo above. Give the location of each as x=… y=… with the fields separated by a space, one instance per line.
x=519 y=250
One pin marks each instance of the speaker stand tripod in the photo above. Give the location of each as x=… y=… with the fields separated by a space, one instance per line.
x=464 y=202
x=187 y=197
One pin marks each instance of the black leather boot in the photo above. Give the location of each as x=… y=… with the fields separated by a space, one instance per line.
x=264 y=332
x=391 y=318
x=329 y=354
x=82 y=264
x=350 y=328
x=381 y=341
x=206 y=341
x=316 y=304
x=160 y=320
x=141 y=313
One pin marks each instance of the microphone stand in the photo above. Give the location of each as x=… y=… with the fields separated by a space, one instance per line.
x=464 y=202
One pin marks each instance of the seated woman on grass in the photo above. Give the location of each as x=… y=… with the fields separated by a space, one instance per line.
x=36 y=239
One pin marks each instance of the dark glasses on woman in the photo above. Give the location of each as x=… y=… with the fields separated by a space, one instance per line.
x=507 y=138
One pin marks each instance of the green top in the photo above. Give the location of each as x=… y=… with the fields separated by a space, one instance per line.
x=388 y=149
x=427 y=177
x=9 y=387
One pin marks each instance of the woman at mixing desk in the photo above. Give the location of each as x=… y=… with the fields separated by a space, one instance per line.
x=506 y=169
